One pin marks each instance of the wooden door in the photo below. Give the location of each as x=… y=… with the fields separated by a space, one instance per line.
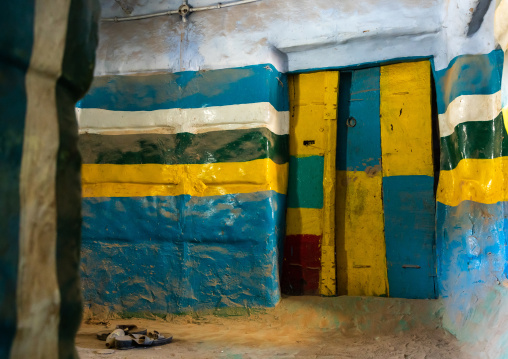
x=385 y=207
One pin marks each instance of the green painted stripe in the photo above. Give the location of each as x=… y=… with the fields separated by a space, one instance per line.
x=305 y=182
x=475 y=139
x=185 y=148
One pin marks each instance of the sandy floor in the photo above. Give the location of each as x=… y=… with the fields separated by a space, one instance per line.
x=288 y=332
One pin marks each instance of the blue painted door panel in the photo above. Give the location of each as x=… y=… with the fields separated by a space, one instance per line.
x=409 y=208
x=364 y=140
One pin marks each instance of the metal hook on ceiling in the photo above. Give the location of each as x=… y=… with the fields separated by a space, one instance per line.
x=184 y=10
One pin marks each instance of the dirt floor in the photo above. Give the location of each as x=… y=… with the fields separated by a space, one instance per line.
x=298 y=328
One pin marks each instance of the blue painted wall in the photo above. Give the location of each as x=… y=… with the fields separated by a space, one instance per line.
x=468 y=75
x=190 y=89
x=176 y=254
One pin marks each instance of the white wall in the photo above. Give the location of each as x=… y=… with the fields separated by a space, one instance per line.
x=292 y=35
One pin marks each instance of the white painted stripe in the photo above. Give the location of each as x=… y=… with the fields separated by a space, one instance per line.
x=193 y=120
x=37 y=294
x=468 y=108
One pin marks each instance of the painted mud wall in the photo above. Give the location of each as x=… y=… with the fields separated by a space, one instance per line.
x=157 y=80
x=184 y=184
x=470 y=209
x=47 y=54
x=471 y=219
x=301 y=37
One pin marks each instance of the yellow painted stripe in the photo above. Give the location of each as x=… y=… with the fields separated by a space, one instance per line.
x=406 y=119
x=307 y=114
x=361 y=249
x=328 y=284
x=304 y=221
x=478 y=180
x=505 y=112
x=106 y=180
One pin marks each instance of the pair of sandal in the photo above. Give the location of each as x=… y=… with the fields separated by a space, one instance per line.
x=130 y=336
x=127 y=329
x=140 y=340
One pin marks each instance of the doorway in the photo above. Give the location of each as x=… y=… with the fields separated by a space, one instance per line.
x=384 y=200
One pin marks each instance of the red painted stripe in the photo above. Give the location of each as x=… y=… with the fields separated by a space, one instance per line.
x=302 y=264
x=303 y=249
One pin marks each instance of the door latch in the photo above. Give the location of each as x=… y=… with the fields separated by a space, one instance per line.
x=351 y=121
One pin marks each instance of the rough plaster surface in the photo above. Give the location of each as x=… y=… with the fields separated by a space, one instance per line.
x=457 y=16
x=303 y=35
x=290 y=35
x=482 y=323
x=471 y=241
x=180 y=256
x=216 y=248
